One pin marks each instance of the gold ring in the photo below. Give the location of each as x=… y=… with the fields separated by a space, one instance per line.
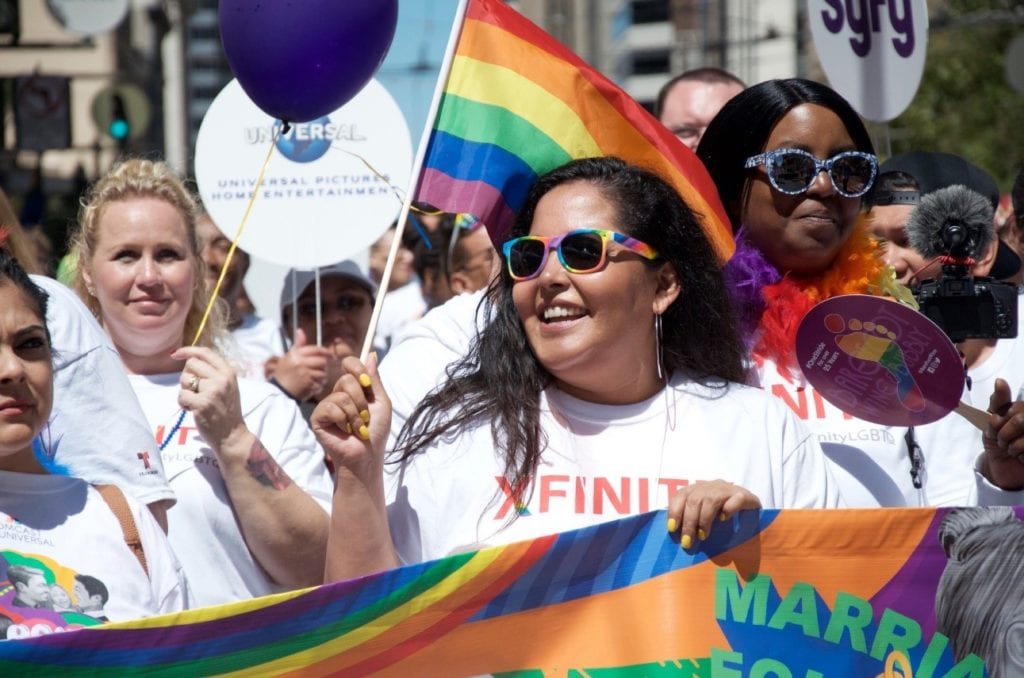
x=193 y=384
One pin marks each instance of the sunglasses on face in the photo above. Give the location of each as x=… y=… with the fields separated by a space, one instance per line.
x=792 y=170
x=581 y=251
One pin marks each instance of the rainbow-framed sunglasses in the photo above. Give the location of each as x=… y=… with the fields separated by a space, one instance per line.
x=583 y=250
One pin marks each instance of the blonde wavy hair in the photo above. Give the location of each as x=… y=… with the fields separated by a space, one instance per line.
x=139 y=178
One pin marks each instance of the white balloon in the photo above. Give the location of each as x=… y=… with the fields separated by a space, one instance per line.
x=1015 y=64
x=329 y=190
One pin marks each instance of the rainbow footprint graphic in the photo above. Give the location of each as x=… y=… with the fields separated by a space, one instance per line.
x=876 y=343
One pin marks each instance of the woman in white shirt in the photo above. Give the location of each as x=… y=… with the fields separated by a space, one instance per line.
x=605 y=384
x=237 y=453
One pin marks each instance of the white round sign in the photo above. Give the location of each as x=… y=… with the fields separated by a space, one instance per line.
x=88 y=17
x=319 y=202
x=873 y=52
x=1014 y=64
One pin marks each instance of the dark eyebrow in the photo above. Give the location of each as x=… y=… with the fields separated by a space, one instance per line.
x=30 y=329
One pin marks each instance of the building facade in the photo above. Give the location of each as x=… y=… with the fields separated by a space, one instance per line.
x=642 y=43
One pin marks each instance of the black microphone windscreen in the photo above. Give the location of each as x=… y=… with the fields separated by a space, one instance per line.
x=954 y=210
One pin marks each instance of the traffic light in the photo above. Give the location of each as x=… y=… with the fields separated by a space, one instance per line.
x=120 y=128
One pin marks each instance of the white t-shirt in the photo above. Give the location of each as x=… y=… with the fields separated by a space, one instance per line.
x=82 y=572
x=419 y=354
x=97 y=430
x=871 y=462
x=202 y=526
x=1005 y=362
x=253 y=343
x=603 y=462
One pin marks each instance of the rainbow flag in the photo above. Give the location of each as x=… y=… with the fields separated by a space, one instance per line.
x=517 y=103
x=838 y=593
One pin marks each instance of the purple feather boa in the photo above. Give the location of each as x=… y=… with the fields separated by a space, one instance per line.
x=746 y=275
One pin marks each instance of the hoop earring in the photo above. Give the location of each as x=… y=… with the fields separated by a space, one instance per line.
x=657 y=345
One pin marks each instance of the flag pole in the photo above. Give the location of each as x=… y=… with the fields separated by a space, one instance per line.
x=417 y=168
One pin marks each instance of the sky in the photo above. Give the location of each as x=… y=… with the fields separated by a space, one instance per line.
x=411 y=67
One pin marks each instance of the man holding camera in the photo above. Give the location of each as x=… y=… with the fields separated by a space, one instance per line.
x=933 y=213
x=903 y=213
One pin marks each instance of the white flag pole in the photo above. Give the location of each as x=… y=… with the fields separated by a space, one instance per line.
x=417 y=168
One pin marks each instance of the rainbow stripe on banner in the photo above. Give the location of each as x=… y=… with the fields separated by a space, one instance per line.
x=780 y=593
x=517 y=104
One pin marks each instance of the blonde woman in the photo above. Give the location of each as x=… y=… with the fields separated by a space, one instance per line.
x=247 y=472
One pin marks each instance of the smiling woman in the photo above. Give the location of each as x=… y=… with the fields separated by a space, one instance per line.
x=792 y=160
x=604 y=385
x=241 y=461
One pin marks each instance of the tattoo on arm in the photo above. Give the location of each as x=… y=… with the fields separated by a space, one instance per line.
x=263 y=468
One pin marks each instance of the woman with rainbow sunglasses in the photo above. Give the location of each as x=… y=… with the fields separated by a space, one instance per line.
x=792 y=160
x=605 y=384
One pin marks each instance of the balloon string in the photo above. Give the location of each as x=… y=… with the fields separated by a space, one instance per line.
x=238 y=235
x=380 y=175
x=399 y=193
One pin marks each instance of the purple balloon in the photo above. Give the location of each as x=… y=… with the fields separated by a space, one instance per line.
x=299 y=60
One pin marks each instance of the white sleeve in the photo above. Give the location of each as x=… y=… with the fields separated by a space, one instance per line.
x=991 y=495
x=166 y=575
x=97 y=429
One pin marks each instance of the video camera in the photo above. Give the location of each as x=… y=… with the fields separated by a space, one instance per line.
x=969 y=308
x=955 y=224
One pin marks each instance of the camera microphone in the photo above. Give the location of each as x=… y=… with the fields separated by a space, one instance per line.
x=954 y=221
x=955 y=224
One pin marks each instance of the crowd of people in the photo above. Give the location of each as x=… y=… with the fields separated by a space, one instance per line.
x=603 y=362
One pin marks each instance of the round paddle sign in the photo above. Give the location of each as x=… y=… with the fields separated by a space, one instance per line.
x=879 y=360
x=332 y=186
x=872 y=52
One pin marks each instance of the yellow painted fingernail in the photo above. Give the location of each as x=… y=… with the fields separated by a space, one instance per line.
x=348 y=427
x=364 y=433
x=365 y=416
x=364 y=380
x=685 y=541
x=721 y=516
x=701 y=535
x=671 y=524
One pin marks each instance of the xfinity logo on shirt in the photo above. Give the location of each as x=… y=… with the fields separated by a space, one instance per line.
x=587 y=495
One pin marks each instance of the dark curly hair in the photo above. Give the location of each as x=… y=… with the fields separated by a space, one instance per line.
x=500 y=380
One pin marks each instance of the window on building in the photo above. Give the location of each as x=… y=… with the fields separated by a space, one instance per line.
x=650 y=11
x=651 y=63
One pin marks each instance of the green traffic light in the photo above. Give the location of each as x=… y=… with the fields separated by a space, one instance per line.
x=119 y=129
